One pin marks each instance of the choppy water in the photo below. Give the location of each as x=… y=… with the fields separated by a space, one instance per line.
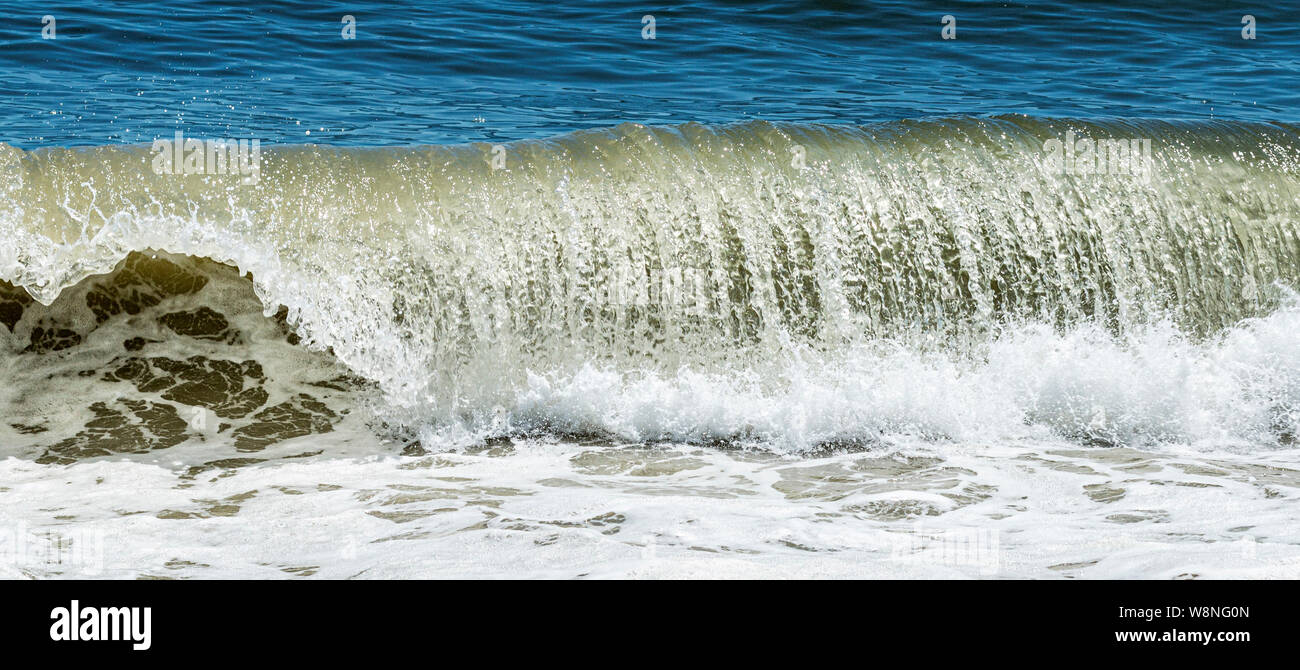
x=528 y=315
x=441 y=73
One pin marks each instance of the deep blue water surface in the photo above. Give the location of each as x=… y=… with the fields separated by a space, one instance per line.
x=445 y=72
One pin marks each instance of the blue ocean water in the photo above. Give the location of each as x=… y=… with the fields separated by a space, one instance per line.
x=443 y=72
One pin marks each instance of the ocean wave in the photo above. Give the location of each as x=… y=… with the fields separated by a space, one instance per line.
x=795 y=285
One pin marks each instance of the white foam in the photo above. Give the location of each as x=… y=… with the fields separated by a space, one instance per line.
x=1152 y=387
x=556 y=509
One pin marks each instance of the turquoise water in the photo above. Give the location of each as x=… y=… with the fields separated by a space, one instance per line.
x=497 y=71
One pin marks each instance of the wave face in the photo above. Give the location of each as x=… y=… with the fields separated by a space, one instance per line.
x=801 y=285
x=162 y=351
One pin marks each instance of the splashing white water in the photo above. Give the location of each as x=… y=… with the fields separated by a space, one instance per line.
x=1155 y=386
x=693 y=262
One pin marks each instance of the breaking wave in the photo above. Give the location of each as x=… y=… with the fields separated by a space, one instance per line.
x=793 y=286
